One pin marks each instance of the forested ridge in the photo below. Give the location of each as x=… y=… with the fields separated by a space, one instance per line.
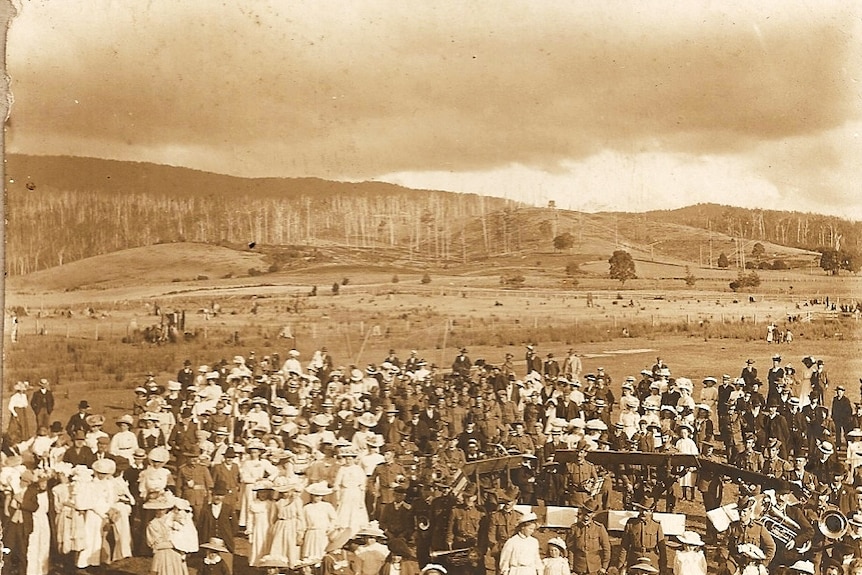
x=62 y=209
x=794 y=229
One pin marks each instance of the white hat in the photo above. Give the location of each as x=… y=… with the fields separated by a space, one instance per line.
x=643 y=564
x=433 y=567
x=557 y=542
x=320 y=488
x=690 y=538
x=371 y=530
x=105 y=466
x=367 y=419
x=803 y=567
x=528 y=517
x=827 y=448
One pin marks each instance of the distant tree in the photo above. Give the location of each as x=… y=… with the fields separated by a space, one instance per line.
x=723 y=262
x=779 y=265
x=564 y=242
x=690 y=278
x=395 y=279
x=745 y=280
x=336 y=287
x=622 y=266
x=764 y=265
x=345 y=281
x=852 y=261
x=572 y=268
x=758 y=251
x=833 y=261
x=426 y=279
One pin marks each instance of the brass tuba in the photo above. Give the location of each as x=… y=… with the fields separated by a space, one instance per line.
x=423 y=523
x=832 y=523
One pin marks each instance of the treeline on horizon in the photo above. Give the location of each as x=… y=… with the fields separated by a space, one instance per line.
x=805 y=231
x=62 y=209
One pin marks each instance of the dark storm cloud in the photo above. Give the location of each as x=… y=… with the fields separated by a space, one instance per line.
x=388 y=87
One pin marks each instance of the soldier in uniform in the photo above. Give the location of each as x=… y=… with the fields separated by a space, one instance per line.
x=582 y=476
x=519 y=440
x=749 y=459
x=773 y=465
x=462 y=531
x=643 y=537
x=195 y=481
x=386 y=477
x=788 y=554
x=502 y=524
x=588 y=543
x=398 y=518
x=745 y=530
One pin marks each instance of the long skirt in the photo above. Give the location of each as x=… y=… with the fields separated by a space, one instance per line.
x=314 y=544
x=39 y=544
x=282 y=541
x=352 y=512
x=91 y=553
x=169 y=562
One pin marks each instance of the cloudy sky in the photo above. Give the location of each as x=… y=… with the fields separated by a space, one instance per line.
x=627 y=104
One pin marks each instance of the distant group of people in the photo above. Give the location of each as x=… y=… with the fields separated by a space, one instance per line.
x=328 y=469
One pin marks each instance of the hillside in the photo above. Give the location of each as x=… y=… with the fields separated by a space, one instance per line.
x=63 y=210
x=163 y=263
x=794 y=229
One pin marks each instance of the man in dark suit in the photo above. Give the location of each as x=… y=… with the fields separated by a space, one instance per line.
x=42 y=403
x=186 y=376
x=397 y=517
x=79 y=420
x=79 y=453
x=462 y=364
x=183 y=436
x=219 y=519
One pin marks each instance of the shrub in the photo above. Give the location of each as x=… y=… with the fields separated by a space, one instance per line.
x=395 y=279
x=572 y=268
x=426 y=279
x=779 y=265
x=345 y=281
x=723 y=262
x=254 y=272
x=335 y=288
x=690 y=278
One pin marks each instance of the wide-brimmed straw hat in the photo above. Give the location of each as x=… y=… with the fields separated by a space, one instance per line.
x=320 y=488
x=215 y=544
x=690 y=538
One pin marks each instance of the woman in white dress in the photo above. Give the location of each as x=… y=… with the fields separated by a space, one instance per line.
x=287 y=532
x=320 y=519
x=124 y=442
x=251 y=471
x=260 y=512
x=686 y=445
x=36 y=502
x=350 y=484
x=690 y=560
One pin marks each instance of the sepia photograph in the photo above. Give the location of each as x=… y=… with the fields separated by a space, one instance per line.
x=369 y=287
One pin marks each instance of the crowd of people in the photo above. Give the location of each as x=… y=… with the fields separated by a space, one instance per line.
x=343 y=470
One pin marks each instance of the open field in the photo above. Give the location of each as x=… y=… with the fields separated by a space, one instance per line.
x=699 y=333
